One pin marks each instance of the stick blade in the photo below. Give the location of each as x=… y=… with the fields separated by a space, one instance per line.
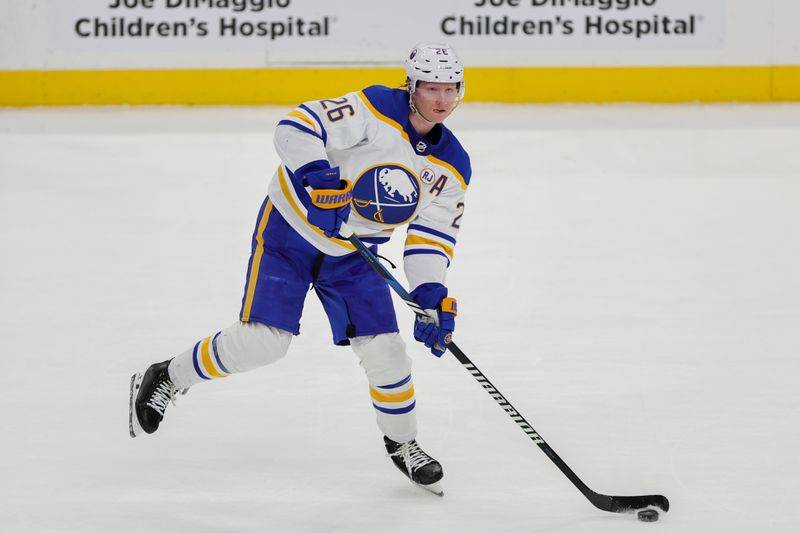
x=629 y=504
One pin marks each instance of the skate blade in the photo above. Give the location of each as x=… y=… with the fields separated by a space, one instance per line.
x=435 y=488
x=134 y=428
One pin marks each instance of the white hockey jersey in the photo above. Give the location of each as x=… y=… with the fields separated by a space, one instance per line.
x=398 y=176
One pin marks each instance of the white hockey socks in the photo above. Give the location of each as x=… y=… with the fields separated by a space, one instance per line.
x=239 y=348
x=388 y=369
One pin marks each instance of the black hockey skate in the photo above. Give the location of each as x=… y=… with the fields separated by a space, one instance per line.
x=151 y=393
x=422 y=469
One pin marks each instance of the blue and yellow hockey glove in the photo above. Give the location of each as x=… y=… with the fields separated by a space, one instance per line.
x=437 y=333
x=330 y=199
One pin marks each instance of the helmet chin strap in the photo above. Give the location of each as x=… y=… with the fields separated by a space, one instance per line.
x=423 y=117
x=415 y=110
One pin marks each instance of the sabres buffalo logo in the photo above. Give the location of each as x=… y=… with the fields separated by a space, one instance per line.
x=388 y=194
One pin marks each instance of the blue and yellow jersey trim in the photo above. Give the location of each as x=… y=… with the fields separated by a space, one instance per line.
x=304 y=119
x=386 y=99
x=414 y=240
x=424 y=240
x=442 y=163
x=380 y=116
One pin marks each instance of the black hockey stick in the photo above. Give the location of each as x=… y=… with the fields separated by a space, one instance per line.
x=613 y=504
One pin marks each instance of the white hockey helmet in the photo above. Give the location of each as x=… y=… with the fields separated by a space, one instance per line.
x=437 y=63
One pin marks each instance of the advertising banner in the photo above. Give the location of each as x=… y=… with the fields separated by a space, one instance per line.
x=265 y=51
x=280 y=32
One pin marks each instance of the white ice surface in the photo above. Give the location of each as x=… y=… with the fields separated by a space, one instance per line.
x=629 y=277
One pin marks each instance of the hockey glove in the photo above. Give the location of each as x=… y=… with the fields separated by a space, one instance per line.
x=437 y=333
x=330 y=199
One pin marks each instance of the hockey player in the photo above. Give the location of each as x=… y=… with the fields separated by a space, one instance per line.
x=378 y=159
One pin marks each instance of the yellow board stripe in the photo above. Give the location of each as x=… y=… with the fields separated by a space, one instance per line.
x=254 y=268
x=416 y=239
x=486 y=84
x=785 y=83
x=380 y=116
x=288 y=195
x=298 y=114
x=207 y=364
x=396 y=397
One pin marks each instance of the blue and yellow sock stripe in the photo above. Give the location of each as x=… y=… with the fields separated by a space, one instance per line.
x=206 y=366
x=395 y=399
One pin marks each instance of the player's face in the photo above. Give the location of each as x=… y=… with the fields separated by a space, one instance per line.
x=435 y=101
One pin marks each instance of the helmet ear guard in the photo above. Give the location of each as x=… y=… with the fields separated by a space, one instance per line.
x=435 y=63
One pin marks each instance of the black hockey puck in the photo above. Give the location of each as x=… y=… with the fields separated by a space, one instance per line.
x=648 y=515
